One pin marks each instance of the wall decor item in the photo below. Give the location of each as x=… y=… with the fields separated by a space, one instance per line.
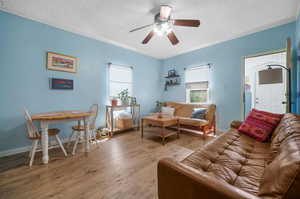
x=172 y=79
x=172 y=73
x=65 y=84
x=61 y=62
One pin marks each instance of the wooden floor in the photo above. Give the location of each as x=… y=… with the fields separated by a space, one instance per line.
x=123 y=167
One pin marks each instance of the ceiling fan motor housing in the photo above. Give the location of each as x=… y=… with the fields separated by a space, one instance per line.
x=157 y=19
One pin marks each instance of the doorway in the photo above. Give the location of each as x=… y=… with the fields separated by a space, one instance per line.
x=265 y=86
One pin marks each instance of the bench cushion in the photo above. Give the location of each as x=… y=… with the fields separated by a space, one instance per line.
x=192 y=122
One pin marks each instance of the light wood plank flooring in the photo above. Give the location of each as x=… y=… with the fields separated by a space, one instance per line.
x=123 y=167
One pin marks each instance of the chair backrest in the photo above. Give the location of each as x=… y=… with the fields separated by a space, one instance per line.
x=31 y=128
x=93 y=117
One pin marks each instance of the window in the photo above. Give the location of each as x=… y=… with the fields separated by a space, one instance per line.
x=120 y=78
x=197 y=84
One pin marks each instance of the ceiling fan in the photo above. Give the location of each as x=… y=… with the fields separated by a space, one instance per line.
x=163 y=25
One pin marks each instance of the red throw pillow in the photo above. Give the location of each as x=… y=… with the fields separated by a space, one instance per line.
x=260 y=124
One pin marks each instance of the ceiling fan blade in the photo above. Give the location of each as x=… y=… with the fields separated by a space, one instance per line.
x=186 y=22
x=173 y=39
x=148 y=37
x=142 y=27
x=165 y=12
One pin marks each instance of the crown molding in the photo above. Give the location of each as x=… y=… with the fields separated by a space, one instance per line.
x=73 y=30
x=109 y=41
x=236 y=36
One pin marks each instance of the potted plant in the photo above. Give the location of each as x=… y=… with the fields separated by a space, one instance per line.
x=124 y=97
x=159 y=104
x=114 y=101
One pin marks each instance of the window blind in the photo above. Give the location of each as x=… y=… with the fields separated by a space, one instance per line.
x=197 y=74
x=197 y=85
x=120 y=78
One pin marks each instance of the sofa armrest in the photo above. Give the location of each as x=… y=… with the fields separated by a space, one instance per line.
x=178 y=181
x=235 y=124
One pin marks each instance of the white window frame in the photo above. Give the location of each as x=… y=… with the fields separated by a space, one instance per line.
x=188 y=99
x=109 y=80
x=187 y=95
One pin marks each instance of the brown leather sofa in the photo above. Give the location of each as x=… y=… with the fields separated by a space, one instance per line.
x=236 y=166
x=184 y=112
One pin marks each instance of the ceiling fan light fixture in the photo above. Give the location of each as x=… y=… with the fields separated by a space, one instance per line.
x=162 y=29
x=163 y=25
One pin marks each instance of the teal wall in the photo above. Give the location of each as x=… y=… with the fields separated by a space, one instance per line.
x=227 y=70
x=24 y=78
x=296 y=60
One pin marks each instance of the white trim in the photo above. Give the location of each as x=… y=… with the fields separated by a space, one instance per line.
x=243 y=69
x=27 y=148
x=236 y=36
x=15 y=151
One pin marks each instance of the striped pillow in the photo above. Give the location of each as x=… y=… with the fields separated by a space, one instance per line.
x=260 y=124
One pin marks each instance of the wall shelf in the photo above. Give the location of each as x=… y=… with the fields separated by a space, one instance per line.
x=172 y=79
x=173 y=76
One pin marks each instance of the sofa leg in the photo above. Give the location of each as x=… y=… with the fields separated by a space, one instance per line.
x=206 y=131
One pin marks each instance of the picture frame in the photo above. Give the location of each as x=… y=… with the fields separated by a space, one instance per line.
x=60 y=62
x=61 y=84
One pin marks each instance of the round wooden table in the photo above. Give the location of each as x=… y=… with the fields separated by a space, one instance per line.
x=60 y=117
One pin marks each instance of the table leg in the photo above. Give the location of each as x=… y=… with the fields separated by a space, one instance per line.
x=106 y=117
x=87 y=134
x=163 y=135
x=142 y=129
x=111 y=122
x=178 y=130
x=44 y=139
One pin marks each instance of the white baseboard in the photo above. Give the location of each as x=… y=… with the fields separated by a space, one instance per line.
x=14 y=151
x=24 y=149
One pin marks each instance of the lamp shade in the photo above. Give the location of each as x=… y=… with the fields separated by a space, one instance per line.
x=270 y=76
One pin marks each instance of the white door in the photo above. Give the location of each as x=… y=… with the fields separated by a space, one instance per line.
x=270 y=97
x=266 y=97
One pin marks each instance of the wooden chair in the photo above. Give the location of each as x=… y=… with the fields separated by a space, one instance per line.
x=79 y=129
x=35 y=135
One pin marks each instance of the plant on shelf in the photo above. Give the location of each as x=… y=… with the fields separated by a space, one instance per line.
x=159 y=104
x=124 y=97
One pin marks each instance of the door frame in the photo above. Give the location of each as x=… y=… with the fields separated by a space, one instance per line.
x=243 y=74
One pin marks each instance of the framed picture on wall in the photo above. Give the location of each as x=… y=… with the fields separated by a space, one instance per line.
x=61 y=62
x=64 y=84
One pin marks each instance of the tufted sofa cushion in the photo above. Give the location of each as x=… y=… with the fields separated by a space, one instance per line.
x=236 y=166
x=288 y=127
x=233 y=158
x=282 y=175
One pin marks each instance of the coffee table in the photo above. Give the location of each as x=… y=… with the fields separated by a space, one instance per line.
x=160 y=124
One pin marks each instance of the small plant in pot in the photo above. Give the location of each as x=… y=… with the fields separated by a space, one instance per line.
x=124 y=97
x=159 y=105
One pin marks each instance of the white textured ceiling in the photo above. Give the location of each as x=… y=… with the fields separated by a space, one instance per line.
x=111 y=20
